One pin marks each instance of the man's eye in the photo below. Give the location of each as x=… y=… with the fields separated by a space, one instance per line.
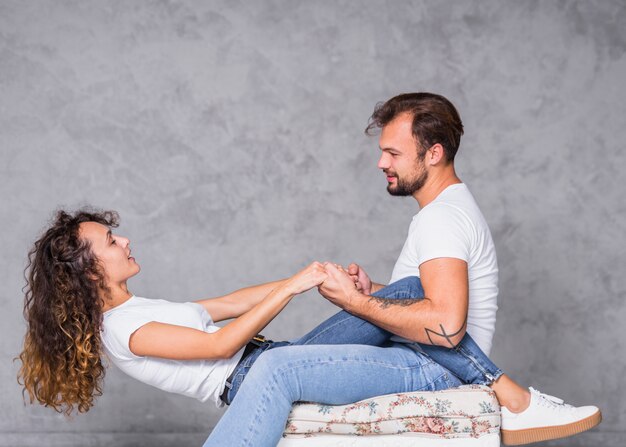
x=113 y=242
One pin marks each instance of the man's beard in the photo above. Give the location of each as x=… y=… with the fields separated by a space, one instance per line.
x=408 y=187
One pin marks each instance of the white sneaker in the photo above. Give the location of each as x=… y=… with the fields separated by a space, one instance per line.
x=547 y=417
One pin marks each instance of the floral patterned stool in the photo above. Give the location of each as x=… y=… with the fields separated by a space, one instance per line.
x=468 y=416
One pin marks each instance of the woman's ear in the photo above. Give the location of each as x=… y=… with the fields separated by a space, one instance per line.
x=93 y=271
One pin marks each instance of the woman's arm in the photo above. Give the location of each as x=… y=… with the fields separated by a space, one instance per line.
x=238 y=302
x=182 y=343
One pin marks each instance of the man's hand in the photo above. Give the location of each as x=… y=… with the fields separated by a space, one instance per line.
x=339 y=287
x=360 y=278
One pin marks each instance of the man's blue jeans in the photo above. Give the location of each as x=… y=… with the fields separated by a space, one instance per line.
x=467 y=361
x=341 y=371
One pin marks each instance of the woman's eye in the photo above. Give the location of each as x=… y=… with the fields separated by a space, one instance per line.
x=113 y=242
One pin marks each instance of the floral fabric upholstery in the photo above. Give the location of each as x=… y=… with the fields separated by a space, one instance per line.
x=469 y=411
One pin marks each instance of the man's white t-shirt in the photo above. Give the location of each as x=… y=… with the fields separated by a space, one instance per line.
x=202 y=379
x=452 y=226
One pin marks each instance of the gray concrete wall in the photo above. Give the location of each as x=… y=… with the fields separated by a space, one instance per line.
x=228 y=134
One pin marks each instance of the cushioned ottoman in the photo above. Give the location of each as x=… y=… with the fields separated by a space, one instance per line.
x=464 y=416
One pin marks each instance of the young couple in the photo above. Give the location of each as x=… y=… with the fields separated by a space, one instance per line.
x=430 y=329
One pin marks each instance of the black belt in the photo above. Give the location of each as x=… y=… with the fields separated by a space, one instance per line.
x=257 y=341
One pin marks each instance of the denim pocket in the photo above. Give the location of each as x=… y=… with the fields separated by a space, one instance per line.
x=244 y=367
x=237 y=380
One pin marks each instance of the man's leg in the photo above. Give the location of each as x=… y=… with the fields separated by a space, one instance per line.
x=344 y=328
x=532 y=417
x=466 y=361
x=332 y=375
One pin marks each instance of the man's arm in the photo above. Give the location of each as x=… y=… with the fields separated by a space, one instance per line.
x=437 y=319
x=376 y=287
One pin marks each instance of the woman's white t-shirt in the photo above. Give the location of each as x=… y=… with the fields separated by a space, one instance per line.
x=202 y=379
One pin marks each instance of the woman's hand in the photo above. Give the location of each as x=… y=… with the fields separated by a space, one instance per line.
x=306 y=279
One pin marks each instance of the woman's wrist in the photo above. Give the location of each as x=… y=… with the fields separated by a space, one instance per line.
x=287 y=288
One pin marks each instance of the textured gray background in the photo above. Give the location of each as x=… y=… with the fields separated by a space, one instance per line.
x=229 y=137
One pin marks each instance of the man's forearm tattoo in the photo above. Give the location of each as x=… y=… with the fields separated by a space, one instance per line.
x=385 y=303
x=448 y=337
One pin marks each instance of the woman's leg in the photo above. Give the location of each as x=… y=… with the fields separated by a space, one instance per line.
x=328 y=374
x=466 y=361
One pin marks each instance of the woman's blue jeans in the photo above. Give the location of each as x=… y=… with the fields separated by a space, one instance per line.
x=333 y=364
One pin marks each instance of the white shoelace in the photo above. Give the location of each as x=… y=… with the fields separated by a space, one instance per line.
x=550 y=401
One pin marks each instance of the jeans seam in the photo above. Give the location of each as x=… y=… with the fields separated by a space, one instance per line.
x=288 y=368
x=490 y=377
x=260 y=409
x=443 y=375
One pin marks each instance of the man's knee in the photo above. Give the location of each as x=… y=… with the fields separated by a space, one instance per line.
x=409 y=287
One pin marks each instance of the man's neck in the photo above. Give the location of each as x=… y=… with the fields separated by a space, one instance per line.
x=437 y=182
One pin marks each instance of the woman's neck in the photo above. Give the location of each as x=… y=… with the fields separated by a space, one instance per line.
x=116 y=295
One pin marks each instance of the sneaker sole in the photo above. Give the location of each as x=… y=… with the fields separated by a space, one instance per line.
x=530 y=435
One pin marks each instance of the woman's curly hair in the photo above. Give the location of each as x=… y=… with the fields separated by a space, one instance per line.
x=61 y=365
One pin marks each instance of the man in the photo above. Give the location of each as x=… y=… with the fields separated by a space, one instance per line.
x=449 y=247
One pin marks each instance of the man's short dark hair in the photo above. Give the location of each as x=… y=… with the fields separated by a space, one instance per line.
x=435 y=120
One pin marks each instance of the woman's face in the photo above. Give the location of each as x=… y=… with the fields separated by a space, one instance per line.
x=112 y=251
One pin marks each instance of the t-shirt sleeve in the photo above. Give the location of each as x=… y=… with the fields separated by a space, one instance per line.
x=442 y=231
x=118 y=329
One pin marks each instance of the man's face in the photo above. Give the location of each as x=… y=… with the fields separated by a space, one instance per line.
x=400 y=160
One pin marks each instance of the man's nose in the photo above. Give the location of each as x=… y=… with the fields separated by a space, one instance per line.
x=124 y=241
x=383 y=161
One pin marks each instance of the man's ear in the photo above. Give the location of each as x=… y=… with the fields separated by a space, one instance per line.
x=436 y=155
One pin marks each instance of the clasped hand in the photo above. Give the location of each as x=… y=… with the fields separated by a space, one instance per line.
x=336 y=284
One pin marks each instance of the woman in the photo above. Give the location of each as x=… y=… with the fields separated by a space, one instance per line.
x=78 y=306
